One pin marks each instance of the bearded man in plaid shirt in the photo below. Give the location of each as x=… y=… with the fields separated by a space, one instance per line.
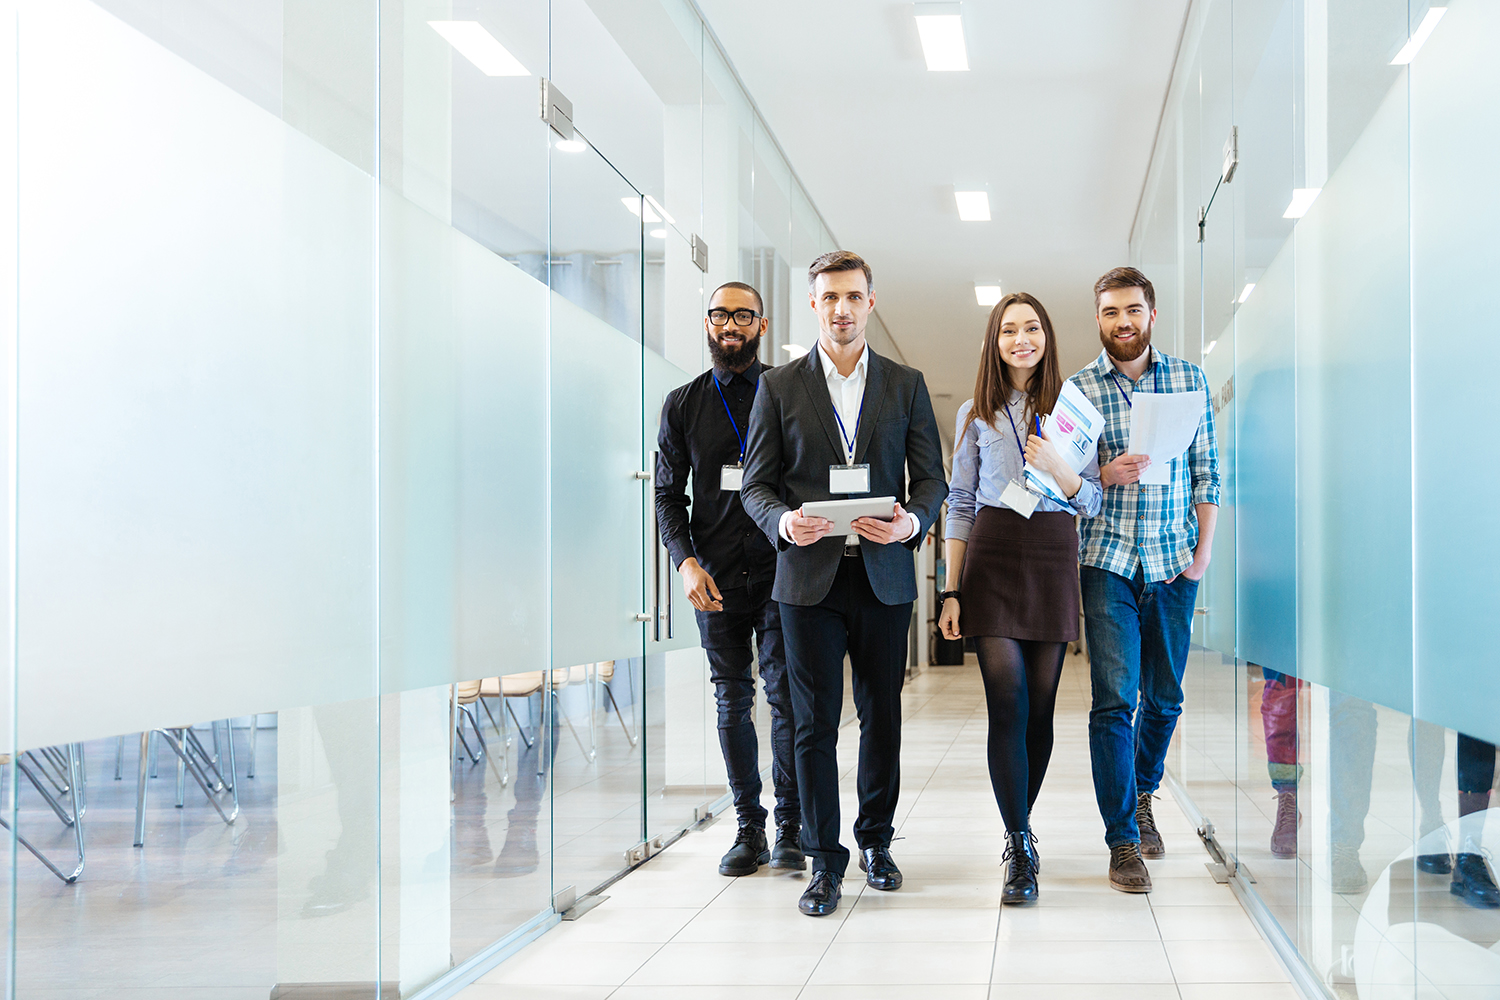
x=1142 y=558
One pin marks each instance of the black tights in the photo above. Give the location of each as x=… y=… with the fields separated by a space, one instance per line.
x=1020 y=689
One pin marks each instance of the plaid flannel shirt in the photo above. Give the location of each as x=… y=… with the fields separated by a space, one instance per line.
x=1153 y=528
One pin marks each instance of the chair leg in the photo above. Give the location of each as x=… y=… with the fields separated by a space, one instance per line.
x=36 y=782
x=182 y=747
x=618 y=714
x=254 y=738
x=587 y=753
x=140 y=788
x=519 y=728
x=234 y=786
x=484 y=748
x=119 y=758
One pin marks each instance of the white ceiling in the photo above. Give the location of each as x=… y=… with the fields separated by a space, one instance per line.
x=1055 y=118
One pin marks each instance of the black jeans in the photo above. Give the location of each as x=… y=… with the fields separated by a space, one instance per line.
x=849 y=620
x=726 y=639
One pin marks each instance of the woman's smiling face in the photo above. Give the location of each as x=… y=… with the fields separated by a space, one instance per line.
x=1021 y=340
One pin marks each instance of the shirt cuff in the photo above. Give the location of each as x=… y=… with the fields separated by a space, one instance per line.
x=784 y=529
x=1206 y=493
x=957 y=530
x=916 y=526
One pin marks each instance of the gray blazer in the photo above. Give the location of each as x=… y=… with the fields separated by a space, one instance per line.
x=794 y=438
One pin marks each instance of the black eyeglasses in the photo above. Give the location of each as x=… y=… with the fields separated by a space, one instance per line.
x=742 y=317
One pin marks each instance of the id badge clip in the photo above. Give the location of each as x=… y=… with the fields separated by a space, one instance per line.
x=849 y=478
x=731 y=478
x=1019 y=499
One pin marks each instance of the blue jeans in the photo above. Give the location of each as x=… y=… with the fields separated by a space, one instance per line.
x=1138 y=636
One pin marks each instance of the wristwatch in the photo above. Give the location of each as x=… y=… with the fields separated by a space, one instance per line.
x=947 y=594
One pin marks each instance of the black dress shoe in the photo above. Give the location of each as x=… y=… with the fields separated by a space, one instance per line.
x=822 y=896
x=1472 y=881
x=880 y=871
x=787 y=855
x=749 y=852
x=1435 y=864
x=1020 y=882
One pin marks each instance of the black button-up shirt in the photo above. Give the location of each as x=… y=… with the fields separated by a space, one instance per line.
x=697 y=437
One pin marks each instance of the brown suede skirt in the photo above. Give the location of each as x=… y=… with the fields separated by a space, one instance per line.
x=1020 y=577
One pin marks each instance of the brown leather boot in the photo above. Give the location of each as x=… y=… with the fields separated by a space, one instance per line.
x=1127 y=872
x=1151 y=845
x=1284 y=834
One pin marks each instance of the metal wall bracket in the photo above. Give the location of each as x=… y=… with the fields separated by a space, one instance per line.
x=557 y=110
x=644 y=851
x=1231 y=155
x=700 y=253
x=643 y=475
x=581 y=907
x=1219 y=872
x=564 y=898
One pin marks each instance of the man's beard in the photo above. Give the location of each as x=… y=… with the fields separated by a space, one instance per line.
x=737 y=357
x=1127 y=354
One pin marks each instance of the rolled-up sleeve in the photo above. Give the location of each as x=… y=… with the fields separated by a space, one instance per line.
x=963 y=486
x=1203 y=456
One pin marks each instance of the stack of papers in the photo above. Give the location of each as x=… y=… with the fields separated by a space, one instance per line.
x=1073 y=427
x=1163 y=426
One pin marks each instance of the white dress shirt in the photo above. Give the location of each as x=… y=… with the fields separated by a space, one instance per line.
x=847 y=394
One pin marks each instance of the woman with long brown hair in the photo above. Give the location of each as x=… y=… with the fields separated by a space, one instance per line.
x=1012 y=562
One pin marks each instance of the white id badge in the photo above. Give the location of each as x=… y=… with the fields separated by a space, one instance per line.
x=1019 y=499
x=848 y=479
x=731 y=477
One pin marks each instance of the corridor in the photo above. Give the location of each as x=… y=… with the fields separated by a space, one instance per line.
x=675 y=928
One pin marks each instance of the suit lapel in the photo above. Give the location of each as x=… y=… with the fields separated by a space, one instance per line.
x=817 y=388
x=875 y=381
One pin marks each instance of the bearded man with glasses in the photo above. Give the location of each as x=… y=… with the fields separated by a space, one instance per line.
x=728 y=566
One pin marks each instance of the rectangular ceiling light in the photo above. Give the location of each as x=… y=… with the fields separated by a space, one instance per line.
x=942 y=30
x=1409 y=50
x=987 y=295
x=634 y=204
x=480 y=47
x=1245 y=294
x=973 y=206
x=1302 y=199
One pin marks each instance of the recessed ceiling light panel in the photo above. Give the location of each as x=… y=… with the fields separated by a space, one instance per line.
x=973 y=206
x=988 y=295
x=1409 y=50
x=1302 y=199
x=480 y=47
x=941 y=28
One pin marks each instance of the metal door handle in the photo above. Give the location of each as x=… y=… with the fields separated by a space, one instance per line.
x=655 y=561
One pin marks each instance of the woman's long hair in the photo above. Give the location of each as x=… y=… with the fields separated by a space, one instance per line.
x=993 y=386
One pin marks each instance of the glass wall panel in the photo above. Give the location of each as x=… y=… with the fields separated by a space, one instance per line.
x=1360 y=723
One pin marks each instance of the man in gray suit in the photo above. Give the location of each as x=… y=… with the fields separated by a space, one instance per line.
x=844 y=422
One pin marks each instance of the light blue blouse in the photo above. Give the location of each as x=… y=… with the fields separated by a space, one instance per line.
x=985 y=459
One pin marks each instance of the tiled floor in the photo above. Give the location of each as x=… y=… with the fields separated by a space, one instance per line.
x=675 y=928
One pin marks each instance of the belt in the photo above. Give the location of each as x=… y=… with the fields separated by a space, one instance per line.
x=851 y=551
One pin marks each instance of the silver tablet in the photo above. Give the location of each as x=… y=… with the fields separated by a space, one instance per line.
x=841 y=512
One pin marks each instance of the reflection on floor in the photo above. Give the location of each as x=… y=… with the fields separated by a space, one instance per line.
x=675 y=928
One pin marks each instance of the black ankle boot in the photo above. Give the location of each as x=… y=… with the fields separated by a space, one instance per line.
x=749 y=852
x=787 y=854
x=1020 y=883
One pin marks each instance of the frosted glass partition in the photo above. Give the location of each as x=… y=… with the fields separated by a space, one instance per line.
x=1264 y=467
x=597 y=500
x=463 y=457
x=1455 y=260
x=1354 y=415
x=197 y=452
x=659 y=377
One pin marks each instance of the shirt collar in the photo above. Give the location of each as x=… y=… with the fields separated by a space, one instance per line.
x=752 y=374
x=1107 y=367
x=860 y=367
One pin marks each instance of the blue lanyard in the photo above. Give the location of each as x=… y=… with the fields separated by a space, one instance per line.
x=738 y=436
x=1019 y=447
x=1155 y=383
x=848 y=441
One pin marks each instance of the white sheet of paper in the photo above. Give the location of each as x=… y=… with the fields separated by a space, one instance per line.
x=1073 y=427
x=1163 y=425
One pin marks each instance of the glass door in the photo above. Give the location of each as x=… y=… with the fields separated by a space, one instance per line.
x=590 y=733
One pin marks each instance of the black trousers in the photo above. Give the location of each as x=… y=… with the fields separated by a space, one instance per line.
x=750 y=612
x=874 y=635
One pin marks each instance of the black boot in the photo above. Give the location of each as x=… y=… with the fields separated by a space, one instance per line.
x=1472 y=879
x=1020 y=883
x=787 y=854
x=749 y=852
